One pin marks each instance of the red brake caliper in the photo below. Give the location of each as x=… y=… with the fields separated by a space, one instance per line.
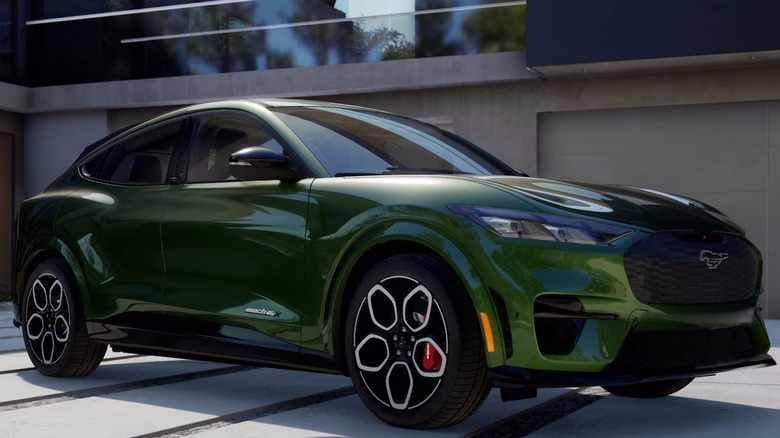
x=431 y=358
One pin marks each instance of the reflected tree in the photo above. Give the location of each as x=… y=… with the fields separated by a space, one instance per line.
x=380 y=43
x=431 y=31
x=496 y=29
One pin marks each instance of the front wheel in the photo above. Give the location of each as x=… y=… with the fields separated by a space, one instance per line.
x=649 y=389
x=413 y=345
x=54 y=326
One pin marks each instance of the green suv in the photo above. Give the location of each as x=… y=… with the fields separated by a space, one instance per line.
x=339 y=239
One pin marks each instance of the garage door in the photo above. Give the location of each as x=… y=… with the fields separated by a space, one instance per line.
x=725 y=155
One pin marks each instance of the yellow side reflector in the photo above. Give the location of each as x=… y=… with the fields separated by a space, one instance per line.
x=488 y=332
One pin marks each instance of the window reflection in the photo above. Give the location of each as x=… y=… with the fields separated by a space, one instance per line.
x=92 y=50
x=6 y=40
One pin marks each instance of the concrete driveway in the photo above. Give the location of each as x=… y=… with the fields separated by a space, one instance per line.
x=146 y=396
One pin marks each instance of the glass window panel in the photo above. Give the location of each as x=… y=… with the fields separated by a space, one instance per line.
x=92 y=51
x=349 y=141
x=219 y=136
x=142 y=159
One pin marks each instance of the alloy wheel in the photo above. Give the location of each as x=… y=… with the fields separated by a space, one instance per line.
x=400 y=342
x=48 y=319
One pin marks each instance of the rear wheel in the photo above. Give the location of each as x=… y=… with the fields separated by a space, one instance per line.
x=413 y=346
x=54 y=327
x=649 y=389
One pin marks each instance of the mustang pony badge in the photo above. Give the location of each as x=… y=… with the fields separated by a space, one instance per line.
x=712 y=259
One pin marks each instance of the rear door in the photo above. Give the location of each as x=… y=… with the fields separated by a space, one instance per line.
x=112 y=223
x=234 y=249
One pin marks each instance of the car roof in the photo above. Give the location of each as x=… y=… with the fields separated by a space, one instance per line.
x=244 y=104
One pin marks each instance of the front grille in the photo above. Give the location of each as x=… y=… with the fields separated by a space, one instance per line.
x=692 y=268
x=698 y=348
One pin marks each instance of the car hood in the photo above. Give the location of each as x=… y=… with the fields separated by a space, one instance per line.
x=645 y=208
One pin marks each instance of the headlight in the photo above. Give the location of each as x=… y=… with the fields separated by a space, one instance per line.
x=538 y=226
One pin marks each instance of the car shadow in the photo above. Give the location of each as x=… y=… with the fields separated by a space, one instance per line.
x=115 y=373
x=677 y=416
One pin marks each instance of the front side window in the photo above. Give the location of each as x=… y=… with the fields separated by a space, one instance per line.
x=219 y=135
x=142 y=159
x=356 y=141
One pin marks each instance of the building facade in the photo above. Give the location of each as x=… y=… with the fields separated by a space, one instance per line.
x=676 y=96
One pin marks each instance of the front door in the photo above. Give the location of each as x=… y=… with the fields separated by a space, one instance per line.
x=234 y=250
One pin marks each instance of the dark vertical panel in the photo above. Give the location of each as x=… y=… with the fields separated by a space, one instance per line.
x=577 y=31
x=7 y=40
x=6 y=213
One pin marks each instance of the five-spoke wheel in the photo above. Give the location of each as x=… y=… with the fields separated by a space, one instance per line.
x=54 y=327
x=48 y=319
x=412 y=344
x=400 y=342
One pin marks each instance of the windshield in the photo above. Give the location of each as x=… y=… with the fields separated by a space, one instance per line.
x=363 y=142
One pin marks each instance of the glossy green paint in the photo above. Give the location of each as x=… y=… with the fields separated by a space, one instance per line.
x=236 y=248
x=108 y=226
x=209 y=252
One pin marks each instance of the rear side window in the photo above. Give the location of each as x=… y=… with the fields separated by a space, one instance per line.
x=220 y=135
x=143 y=159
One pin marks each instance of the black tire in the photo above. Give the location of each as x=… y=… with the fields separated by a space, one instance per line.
x=53 y=323
x=448 y=385
x=649 y=389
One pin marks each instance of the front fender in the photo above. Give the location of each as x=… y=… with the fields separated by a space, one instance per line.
x=431 y=238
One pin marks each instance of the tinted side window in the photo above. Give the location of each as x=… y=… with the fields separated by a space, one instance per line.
x=142 y=159
x=220 y=135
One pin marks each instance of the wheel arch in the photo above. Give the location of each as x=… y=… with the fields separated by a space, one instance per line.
x=46 y=248
x=400 y=238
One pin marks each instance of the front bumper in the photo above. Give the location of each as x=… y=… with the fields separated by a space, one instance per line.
x=613 y=337
x=511 y=377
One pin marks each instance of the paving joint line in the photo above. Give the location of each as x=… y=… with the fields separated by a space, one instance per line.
x=539 y=416
x=14 y=405
x=110 y=359
x=251 y=414
x=736 y=383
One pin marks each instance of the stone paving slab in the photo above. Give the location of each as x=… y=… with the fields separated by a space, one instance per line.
x=349 y=417
x=20 y=360
x=148 y=410
x=11 y=344
x=10 y=332
x=703 y=409
x=35 y=384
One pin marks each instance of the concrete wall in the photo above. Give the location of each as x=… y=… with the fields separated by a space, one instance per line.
x=54 y=140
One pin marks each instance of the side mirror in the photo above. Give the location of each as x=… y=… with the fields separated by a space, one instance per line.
x=257 y=163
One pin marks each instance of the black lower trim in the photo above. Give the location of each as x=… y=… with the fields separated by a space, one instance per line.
x=503 y=321
x=17 y=315
x=512 y=377
x=215 y=349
